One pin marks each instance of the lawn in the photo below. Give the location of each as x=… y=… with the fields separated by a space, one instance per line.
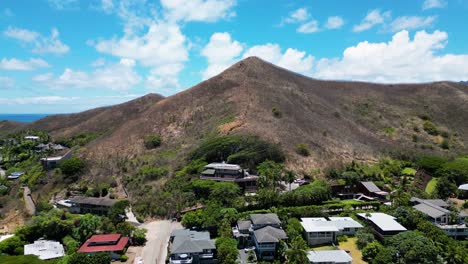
x=430 y=187
x=23 y=260
x=350 y=245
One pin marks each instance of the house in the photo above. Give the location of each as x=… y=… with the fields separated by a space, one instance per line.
x=368 y=188
x=242 y=232
x=319 y=230
x=463 y=190
x=45 y=249
x=329 y=257
x=84 y=205
x=113 y=244
x=187 y=246
x=31 y=137
x=230 y=173
x=434 y=209
x=15 y=175
x=50 y=163
x=266 y=239
x=262 y=220
x=384 y=225
x=436 y=212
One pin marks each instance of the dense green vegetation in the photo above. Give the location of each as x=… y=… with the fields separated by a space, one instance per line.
x=79 y=140
x=153 y=141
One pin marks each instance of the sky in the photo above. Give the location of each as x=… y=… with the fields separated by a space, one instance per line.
x=63 y=56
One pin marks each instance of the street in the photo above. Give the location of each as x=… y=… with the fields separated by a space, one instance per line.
x=155 y=249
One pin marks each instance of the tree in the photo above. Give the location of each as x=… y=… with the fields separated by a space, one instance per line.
x=72 y=167
x=297 y=253
x=445 y=188
x=117 y=210
x=290 y=177
x=227 y=250
x=303 y=150
x=70 y=244
x=413 y=248
x=139 y=236
x=12 y=246
x=270 y=172
x=82 y=258
x=364 y=236
x=125 y=228
x=225 y=192
x=294 y=228
x=370 y=251
x=86 y=227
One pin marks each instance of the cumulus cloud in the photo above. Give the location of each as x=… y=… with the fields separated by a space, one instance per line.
x=309 y=27
x=334 y=22
x=37 y=100
x=6 y=83
x=120 y=76
x=291 y=59
x=298 y=15
x=374 y=17
x=64 y=4
x=198 y=10
x=14 y=64
x=411 y=22
x=220 y=53
x=429 y=4
x=38 y=43
x=400 y=60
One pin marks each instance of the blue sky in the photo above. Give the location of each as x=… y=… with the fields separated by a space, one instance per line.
x=61 y=56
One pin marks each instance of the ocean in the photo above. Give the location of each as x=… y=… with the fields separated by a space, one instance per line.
x=22 y=117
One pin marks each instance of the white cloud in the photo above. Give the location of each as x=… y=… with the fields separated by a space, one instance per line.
x=399 y=60
x=411 y=22
x=119 y=76
x=220 y=53
x=37 y=100
x=297 y=16
x=98 y=62
x=6 y=83
x=309 y=27
x=37 y=42
x=21 y=34
x=107 y=5
x=198 y=10
x=20 y=65
x=292 y=59
x=428 y=4
x=373 y=18
x=334 y=22
x=161 y=47
x=64 y=4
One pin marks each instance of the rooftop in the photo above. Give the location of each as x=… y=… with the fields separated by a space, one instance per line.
x=371 y=187
x=223 y=166
x=329 y=256
x=269 y=234
x=93 y=200
x=45 y=249
x=384 y=221
x=187 y=241
x=265 y=219
x=335 y=224
x=463 y=187
x=104 y=243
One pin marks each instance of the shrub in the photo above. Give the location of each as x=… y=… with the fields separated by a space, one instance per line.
x=370 y=251
x=276 y=112
x=445 y=144
x=343 y=238
x=153 y=141
x=415 y=138
x=430 y=128
x=303 y=150
x=123 y=258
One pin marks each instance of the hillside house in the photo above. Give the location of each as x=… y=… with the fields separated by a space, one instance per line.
x=113 y=244
x=45 y=249
x=436 y=211
x=50 y=163
x=383 y=225
x=368 y=188
x=191 y=247
x=230 y=173
x=266 y=234
x=319 y=230
x=463 y=190
x=329 y=257
x=84 y=205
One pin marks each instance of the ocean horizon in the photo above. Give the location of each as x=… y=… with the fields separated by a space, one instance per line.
x=25 y=118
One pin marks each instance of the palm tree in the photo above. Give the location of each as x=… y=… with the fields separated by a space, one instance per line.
x=297 y=253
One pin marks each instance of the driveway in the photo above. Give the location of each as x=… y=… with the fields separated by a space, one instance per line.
x=30 y=206
x=155 y=249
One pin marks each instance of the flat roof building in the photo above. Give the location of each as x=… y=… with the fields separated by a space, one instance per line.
x=45 y=249
x=384 y=225
x=329 y=257
x=319 y=230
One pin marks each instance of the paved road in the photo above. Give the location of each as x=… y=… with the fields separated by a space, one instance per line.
x=155 y=249
x=30 y=206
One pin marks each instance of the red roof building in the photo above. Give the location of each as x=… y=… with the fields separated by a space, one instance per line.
x=104 y=243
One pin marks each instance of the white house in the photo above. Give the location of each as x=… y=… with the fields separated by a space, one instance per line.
x=319 y=230
x=329 y=257
x=384 y=225
x=45 y=249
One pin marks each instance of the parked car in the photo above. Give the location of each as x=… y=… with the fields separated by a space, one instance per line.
x=249 y=249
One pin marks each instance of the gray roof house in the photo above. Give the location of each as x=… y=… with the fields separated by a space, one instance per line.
x=266 y=240
x=261 y=220
x=191 y=247
x=329 y=257
x=384 y=225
